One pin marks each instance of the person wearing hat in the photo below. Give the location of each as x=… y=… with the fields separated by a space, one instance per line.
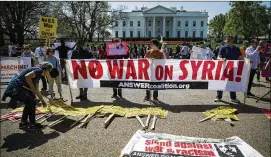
x=244 y=47
x=229 y=52
x=56 y=69
x=23 y=88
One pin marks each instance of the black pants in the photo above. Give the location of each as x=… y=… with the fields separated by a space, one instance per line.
x=83 y=91
x=117 y=91
x=155 y=94
x=29 y=109
x=251 y=77
x=220 y=94
x=44 y=82
x=258 y=72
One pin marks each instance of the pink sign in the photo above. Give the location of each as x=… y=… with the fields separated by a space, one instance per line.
x=116 y=48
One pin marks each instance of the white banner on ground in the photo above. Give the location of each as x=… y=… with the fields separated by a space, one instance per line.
x=11 y=66
x=159 y=74
x=201 y=53
x=149 y=144
x=69 y=44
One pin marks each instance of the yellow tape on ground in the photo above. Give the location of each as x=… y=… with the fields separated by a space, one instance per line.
x=222 y=112
x=61 y=108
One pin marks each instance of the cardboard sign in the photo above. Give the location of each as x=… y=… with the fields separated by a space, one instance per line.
x=159 y=74
x=47 y=28
x=116 y=48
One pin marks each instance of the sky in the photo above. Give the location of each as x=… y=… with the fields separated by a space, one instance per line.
x=213 y=8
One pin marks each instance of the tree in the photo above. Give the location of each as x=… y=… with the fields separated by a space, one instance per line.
x=90 y=17
x=247 y=19
x=21 y=17
x=217 y=25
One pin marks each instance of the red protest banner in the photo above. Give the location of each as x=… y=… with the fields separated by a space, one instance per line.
x=116 y=48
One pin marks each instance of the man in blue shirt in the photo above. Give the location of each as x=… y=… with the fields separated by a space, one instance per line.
x=229 y=52
x=252 y=53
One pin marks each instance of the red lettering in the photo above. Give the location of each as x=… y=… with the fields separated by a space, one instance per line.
x=159 y=72
x=168 y=72
x=81 y=69
x=183 y=69
x=116 y=69
x=131 y=71
x=228 y=71
x=147 y=142
x=148 y=149
x=208 y=67
x=195 y=67
x=93 y=67
x=143 y=66
x=218 y=70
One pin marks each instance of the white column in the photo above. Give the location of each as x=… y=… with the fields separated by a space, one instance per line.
x=153 y=27
x=164 y=26
x=174 y=27
x=128 y=34
x=144 y=28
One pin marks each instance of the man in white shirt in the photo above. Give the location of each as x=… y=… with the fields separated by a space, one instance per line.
x=40 y=56
x=252 y=53
x=184 y=51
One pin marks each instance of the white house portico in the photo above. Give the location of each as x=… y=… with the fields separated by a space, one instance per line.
x=162 y=21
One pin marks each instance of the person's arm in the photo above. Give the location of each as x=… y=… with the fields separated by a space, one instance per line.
x=221 y=54
x=35 y=90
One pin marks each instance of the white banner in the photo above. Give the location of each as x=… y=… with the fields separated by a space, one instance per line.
x=165 y=145
x=201 y=53
x=68 y=44
x=11 y=66
x=159 y=74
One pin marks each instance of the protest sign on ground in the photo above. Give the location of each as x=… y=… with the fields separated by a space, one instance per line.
x=47 y=28
x=144 y=144
x=11 y=66
x=116 y=48
x=159 y=74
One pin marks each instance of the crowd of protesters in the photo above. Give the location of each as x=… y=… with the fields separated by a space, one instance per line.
x=49 y=69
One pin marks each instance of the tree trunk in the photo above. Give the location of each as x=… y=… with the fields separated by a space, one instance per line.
x=20 y=35
x=90 y=36
x=2 y=40
x=98 y=37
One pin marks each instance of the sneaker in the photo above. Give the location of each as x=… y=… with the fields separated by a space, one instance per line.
x=36 y=126
x=235 y=100
x=78 y=97
x=83 y=97
x=250 y=94
x=114 y=96
x=217 y=100
x=155 y=99
x=23 y=125
x=120 y=95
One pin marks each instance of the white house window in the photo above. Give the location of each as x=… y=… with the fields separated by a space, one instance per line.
x=202 y=23
x=116 y=24
x=167 y=23
x=167 y=34
x=116 y=34
x=186 y=34
x=138 y=23
x=149 y=33
x=194 y=23
x=186 y=23
x=131 y=23
x=123 y=23
x=179 y=23
x=138 y=33
x=179 y=34
x=149 y=23
x=194 y=34
x=123 y=34
x=201 y=34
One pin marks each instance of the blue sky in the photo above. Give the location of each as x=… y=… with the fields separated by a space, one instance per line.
x=213 y=8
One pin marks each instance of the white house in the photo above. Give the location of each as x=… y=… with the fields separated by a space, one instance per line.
x=159 y=20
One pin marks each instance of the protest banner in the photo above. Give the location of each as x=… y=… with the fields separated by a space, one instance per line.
x=47 y=27
x=159 y=74
x=116 y=48
x=11 y=66
x=201 y=53
x=68 y=44
x=149 y=144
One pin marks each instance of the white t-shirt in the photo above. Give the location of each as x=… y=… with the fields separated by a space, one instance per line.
x=184 y=50
x=40 y=53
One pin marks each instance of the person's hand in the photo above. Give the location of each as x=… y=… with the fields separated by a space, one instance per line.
x=224 y=59
x=44 y=104
x=258 y=47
